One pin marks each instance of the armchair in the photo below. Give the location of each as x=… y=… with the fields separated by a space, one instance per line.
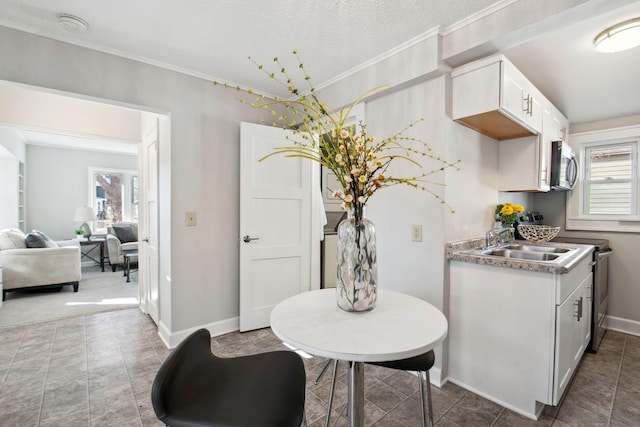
x=121 y=236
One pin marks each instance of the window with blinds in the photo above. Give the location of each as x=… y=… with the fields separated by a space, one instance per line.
x=610 y=179
x=607 y=194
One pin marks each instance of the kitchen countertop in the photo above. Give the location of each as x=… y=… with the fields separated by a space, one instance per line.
x=458 y=251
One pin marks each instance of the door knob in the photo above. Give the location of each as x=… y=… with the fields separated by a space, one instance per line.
x=146 y=240
x=248 y=238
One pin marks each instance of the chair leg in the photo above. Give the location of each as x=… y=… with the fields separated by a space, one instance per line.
x=422 y=406
x=333 y=386
x=324 y=369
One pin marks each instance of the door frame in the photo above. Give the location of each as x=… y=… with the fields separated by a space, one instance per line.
x=164 y=171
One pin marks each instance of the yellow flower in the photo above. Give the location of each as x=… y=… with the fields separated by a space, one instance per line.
x=517 y=208
x=344 y=134
x=506 y=210
x=362 y=178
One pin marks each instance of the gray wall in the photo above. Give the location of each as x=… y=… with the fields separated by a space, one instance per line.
x=202 y=157
x=57 y=183
x=624 y=268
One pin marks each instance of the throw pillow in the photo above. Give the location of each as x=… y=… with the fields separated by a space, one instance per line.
x=12 y=239
x=37 y=239
x=124 y=233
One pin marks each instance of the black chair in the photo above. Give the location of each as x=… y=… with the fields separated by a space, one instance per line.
x=195 y=388
x=420 y=363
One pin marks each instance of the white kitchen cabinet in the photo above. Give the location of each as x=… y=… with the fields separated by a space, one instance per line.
x=520 y=97
x=524 y=164
x=573 y=319
x=493 y=97
x=513 y=334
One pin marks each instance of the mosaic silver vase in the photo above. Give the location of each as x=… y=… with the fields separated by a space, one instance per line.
x=357 y=275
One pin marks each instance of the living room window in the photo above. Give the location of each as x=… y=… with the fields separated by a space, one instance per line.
x=113 y=195
x=607 y=195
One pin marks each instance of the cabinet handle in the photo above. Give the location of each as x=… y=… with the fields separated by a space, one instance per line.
x=578 y=314
x=527 y=101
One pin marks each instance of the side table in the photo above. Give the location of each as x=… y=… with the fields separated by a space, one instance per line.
x=92 y=245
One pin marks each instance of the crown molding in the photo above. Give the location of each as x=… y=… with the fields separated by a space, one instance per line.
x=478 y=16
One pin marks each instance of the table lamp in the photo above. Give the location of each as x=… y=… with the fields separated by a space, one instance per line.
x=85 y=214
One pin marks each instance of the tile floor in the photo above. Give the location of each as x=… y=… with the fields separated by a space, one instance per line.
x=97 y=370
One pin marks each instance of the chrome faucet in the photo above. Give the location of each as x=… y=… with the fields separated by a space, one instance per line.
x=496 y=236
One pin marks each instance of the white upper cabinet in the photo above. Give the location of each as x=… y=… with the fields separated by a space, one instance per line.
x=524 y=164
x=494 y=98
x=520 y=98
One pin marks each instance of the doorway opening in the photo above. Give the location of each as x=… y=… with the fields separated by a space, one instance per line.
x=93 y=136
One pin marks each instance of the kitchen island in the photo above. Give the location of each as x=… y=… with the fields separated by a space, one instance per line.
x=518 y=327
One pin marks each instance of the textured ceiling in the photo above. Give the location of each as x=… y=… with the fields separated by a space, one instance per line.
x=214 y=38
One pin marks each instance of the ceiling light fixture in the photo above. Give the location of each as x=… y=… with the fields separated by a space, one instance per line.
x=622 y=36
x=72 y=23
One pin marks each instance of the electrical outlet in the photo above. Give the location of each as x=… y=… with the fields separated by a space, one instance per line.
x=191 y=219
x=416 y=233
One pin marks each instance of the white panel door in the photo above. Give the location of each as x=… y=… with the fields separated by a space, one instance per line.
x=148 y=245
x=275 y=225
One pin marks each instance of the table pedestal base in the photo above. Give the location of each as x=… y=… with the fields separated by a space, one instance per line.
x=356 y=394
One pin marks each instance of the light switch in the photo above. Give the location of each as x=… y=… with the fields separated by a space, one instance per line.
x=416 y=233
x=191 y=219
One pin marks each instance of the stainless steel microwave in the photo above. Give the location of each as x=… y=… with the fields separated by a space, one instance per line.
x=564 y=166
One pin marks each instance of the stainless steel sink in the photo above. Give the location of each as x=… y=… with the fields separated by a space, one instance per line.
x=526 y=252
x=532 y=248
x=521 y=254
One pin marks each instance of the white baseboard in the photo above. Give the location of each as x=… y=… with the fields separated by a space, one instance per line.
x=619 y=324
x=164 y=333
x=172 y=339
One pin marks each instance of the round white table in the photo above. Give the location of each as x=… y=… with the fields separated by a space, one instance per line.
x=399 y=327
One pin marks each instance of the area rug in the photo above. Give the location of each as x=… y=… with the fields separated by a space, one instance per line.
x=98 y=292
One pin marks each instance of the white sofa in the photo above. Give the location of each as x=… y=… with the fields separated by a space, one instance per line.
x=115 y=246
x=24 y=267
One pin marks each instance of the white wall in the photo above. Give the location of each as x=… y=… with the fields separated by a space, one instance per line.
x=10 y=140
x=30 y=109
x=8 y=192
x=12 y=151
x=58 y=182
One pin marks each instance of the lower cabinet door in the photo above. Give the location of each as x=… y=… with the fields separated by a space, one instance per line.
x=572 y=335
